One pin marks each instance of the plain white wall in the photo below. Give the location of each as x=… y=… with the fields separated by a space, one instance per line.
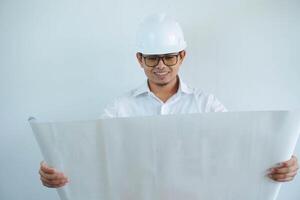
x=65 y=59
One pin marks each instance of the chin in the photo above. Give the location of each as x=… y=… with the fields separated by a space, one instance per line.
x=162 y=82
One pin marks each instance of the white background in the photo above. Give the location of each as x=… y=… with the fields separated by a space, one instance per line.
x=68 y=59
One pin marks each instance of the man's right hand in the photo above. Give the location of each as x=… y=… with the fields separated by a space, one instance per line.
x=52 y=178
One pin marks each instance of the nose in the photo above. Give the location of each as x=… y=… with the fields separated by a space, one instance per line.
x=160 y=64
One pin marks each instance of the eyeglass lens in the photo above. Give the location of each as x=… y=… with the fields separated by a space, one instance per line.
x=168 y=60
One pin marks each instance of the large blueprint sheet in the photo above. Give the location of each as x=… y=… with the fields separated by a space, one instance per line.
x=211 y=156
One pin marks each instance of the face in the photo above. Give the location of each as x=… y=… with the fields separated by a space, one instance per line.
x=162 y=73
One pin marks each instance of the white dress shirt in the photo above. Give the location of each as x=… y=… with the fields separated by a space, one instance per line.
x=142 y=102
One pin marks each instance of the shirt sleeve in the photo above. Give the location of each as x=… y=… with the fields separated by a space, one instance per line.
x=110 y=111
x=214 y=105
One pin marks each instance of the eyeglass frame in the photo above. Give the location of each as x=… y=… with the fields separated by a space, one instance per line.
x=161 y=58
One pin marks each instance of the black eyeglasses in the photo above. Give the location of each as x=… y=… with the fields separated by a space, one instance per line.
x=168 y=59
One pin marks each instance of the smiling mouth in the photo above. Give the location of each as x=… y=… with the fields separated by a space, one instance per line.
x=161 y=73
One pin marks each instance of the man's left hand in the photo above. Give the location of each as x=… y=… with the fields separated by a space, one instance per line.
x=285 y=171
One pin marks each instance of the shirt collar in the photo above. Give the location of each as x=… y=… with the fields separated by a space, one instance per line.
x=184 y=88
x=144 y=88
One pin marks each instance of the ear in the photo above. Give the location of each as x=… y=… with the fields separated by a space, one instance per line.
x=182 y=55
x=139 y=58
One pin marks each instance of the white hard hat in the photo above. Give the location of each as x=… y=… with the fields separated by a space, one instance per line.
x=159 y=34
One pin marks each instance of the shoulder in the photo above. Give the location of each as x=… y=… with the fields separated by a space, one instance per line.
x=208 y=102
x=112 y=109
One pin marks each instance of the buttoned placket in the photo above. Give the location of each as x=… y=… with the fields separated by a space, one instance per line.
x=165 y=107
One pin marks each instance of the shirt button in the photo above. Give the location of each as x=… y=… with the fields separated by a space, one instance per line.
x=163 y=110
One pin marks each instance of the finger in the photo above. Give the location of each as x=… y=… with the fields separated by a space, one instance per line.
x=45 y=168
x=289 y=162
x=282 y=176
x=56 y=176
x=284 y=180
x=284 y=170
x=53 y=177
x=53 y=186
x=47 y=185
x=61 y=185
x=53 y=182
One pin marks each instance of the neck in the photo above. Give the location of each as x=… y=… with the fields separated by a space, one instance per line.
x=164 y=91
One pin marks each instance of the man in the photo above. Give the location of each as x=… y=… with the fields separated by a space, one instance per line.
x=161 y=51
